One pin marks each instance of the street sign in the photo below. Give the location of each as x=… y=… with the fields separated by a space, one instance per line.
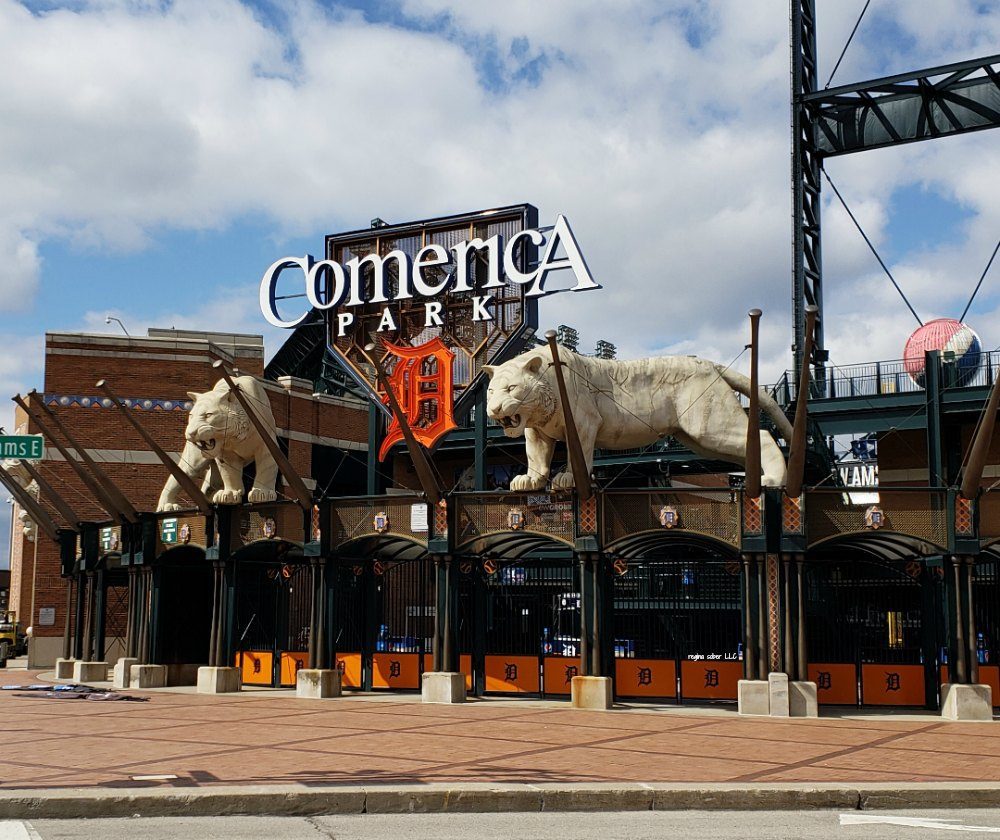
x=168 y=531
x=30 y=447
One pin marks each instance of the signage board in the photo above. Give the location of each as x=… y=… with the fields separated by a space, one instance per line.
x=432 y=300
x=168 y=531
x=29 y=447
x=418 y=518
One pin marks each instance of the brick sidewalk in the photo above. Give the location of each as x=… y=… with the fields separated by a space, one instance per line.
x=270 y=738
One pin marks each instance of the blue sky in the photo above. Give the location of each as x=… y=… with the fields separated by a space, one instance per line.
x=155 y=157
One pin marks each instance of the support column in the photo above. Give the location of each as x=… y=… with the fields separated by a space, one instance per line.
x=220 y=677
x=78 y=615
x=591 y=690
x=762 y=668
x=100 y=614
x=67 y=650
x=88 y=636
x=749 y=642
x=446 y=683
x=960 y=671
x=965 y=699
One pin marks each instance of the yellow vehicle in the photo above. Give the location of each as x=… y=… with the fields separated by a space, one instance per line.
x=10 y=633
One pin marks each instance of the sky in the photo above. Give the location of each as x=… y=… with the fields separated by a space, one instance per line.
x=156 y=157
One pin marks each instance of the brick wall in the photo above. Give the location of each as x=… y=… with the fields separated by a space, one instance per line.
x=157 y=371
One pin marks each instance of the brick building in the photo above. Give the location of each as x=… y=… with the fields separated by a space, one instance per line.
x=155 y=373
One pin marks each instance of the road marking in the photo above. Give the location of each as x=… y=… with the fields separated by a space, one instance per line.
x=914 y=822
x=17 y=830
x=162 y=777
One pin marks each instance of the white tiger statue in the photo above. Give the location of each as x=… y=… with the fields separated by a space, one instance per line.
x=620 y=404
x=220 y=434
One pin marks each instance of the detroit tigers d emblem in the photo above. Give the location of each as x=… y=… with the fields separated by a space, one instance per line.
x=669 y=517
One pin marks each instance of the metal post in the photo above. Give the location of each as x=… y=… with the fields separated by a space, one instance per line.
x=797 y=445
x=322 y=648
x=213 y=634
x=749 y=657
x=803 y=654
x=100 y=615
x=447 y=643
x=88 y=638
x=586 y=613
x=78 y=615
x=480 y=437
x=131 y=623
x=788 y=646
x=762 y=658
x=935 y=453
x=69 y=609
x=439 y=610
x=752 y=469
x=961 y=672
x=970 y=611
x=596 y=664
x=314 y=610
x=374 y=441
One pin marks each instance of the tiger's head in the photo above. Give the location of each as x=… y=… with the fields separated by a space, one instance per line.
x=217 y=420
x=520 y=394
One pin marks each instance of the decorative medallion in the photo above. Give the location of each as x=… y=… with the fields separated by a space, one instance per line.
x=378 y=567
x=874 y=518
x=490 y=566
x=669 y=517
x=465 y=567
x=185 y=533
x=381 y=522
x=270 y=528
x=516 y=519
x=358 y=570
x=286 y=571
x=620 y=566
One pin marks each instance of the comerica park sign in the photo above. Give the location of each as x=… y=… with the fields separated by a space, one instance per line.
x=432 y=301
x=432 y=272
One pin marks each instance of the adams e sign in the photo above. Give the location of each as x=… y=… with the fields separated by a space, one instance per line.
x=439 y=298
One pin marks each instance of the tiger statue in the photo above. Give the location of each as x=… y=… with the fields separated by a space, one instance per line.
x=620 y=404
x=221 y=439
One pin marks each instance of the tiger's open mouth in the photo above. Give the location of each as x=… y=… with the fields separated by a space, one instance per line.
x=205 y=445
x=512 y=422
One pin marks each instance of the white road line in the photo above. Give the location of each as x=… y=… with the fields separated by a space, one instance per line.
x=17 y=830
x=914 y=822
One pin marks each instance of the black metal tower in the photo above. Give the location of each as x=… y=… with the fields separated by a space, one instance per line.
x=925 y=104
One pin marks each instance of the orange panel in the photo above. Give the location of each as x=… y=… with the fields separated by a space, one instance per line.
x=990 y=675
x=646 y=678
x=465 y=666
x=517 y=674
x=893 y=685
x=396 y=670
x=558 y=673
x=712 y=679
x=349 y=665
x=836 y=684
x=290 y=665
x=258 y=666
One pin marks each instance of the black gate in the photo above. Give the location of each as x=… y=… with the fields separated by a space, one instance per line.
x=875 y=631
x=272 y=621
x=524 y=624
x=383 y=621
x=677 y=628
x=986 y=599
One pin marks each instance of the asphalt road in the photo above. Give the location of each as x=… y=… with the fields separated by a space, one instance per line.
x=693 y=825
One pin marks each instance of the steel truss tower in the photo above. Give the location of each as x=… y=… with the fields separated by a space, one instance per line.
x=922 y=105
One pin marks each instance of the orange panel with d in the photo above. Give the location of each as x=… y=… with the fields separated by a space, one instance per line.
x=645 y=678
x=515 y=674
x=349 y=665
x=396 y=670
x=291 y=664
x=710 y=679
x=990 y=675
x=558 y=673
x=836 y=683
x=893 y=685
x=257 y=666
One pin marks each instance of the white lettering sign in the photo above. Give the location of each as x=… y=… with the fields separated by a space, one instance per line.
x=330 y=285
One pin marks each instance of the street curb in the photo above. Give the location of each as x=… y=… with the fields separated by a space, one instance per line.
x=301 y=800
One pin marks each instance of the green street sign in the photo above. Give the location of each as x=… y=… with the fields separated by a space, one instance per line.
x=168 y=531
x=30 y=447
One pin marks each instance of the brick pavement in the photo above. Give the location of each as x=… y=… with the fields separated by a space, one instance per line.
x=273 y=738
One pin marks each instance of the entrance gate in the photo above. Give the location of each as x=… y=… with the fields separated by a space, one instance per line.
x=521 y=618
x=383 y=621
x=875 y=631
x=272 y=621
x=677 y=629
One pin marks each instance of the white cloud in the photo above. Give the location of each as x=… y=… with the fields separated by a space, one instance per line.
x=659 y=128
